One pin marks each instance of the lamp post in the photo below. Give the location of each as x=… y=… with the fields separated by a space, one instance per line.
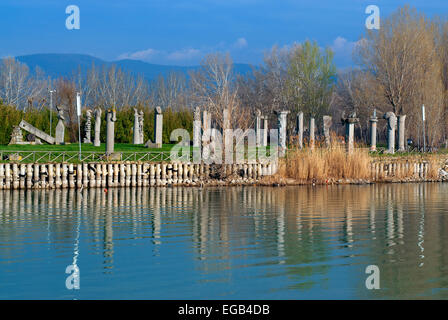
x=424 y=133
x=78 y=109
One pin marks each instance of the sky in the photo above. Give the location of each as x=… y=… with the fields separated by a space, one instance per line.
x=182 y=32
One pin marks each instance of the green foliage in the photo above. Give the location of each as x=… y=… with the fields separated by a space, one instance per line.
x=123 y=127
x=10 y=117
x=311 y=76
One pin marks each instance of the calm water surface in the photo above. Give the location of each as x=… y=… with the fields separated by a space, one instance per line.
x=226 y=243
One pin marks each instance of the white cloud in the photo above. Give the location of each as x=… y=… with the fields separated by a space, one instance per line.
x=342 y=45
x=145 y=55
x=343 y=51
x=184 y=54
x=339 y=43
x=240 y=43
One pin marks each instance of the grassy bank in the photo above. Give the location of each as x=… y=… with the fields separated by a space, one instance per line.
x=88 y=147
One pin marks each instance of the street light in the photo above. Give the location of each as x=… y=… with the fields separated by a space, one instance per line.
x=424 y=131
x=78 y=111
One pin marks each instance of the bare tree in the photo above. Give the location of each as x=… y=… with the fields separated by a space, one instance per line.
x=17 y=87
x=402 y=58
x=170 y=91
x=214 y=86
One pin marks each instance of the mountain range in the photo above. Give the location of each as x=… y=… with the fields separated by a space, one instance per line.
x=64 y=65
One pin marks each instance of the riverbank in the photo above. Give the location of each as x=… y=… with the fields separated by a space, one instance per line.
x=353 y=169
x=335 y=166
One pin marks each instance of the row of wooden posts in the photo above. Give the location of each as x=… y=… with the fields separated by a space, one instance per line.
x=68 y=175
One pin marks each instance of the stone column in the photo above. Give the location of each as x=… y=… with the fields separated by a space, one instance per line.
x=197 y=128
x=265 y=131
x=136 y=133
x=60 y=132
x=282 y=122
x=391 y=126
x=299 y=128
x=349 y=136
x=96 y=141
x=225 y=126
x=60 y=127
x=88 y=128
x=373 y=124
x=158 y=127
x=327 y=124
x=205 y=138
x=401 y=133
x=350 y=131
x=141 y=122
x=111 y=118
x=258 y=127
x=312 y=129
x=16 y=136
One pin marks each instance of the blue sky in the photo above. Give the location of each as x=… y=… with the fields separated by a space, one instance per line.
x=181 y=32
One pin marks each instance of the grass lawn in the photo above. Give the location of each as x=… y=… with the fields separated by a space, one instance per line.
x=119 y=147
x=68 y=152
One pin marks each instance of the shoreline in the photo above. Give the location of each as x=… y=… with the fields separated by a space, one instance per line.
x=149 y=174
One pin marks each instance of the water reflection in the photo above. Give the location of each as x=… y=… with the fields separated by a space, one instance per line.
x=260 y=242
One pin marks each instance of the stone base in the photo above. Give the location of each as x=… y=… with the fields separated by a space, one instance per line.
x=19 y=143
x=37 y=141
x=150 y=144
x=114 y=156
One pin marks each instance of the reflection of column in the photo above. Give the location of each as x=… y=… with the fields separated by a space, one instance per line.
x=7 y=203
x=281 y=233
x=13 y=206
x=372 y=224
x=390 y=224
x=400 y=220
x=77 y=233
x=197 y=204
x=157 y=225
x=108 y=252
x=349 y=225
x=299 y=219
x=203 y=224
x=251 y=200
x=421 y=229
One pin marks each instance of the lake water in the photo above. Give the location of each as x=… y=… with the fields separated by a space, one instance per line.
x=226 y=243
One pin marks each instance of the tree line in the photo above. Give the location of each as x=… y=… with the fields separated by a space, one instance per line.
x=397 y=68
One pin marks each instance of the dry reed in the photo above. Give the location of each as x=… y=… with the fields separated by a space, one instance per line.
x=325 y=164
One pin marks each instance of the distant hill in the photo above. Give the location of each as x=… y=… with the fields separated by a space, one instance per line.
x=56 y=65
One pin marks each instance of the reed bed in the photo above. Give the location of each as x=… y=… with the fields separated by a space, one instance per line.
x=325 y=164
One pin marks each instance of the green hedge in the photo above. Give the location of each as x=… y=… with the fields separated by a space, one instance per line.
x=10 y=117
